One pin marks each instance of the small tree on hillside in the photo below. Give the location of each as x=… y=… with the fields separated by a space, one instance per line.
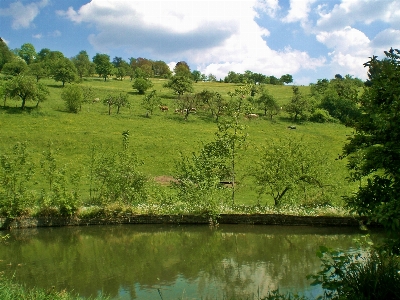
x=180 y=85
x=142 y=85
x=26 y=88
x=64 y=70
x=103 y=65
x=298 y=105
x=268 y=103
x=289 y=166
x=73 y=97
x=150 y=102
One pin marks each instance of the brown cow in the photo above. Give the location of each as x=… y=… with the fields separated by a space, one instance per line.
x=163 y=108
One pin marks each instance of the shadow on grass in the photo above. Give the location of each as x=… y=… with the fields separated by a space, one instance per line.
x=18 y=110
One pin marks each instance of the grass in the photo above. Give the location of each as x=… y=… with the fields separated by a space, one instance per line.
x=158 y=140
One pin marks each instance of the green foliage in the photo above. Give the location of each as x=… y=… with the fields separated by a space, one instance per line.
x=82 y=64
x=38 y=70
x=292 y=167
x=26 y=89
x=119 y=100
x=180 y=84
x=321 y=116
x=142 y=85
x=5 y=54
x=374 y=148
x=64 y=70
x=182 y=69
x=16 y=171
x=73 y=97
x=117 y=176
x=150 y=102
x=268 y=103
x=10 y=290
x=359 y=274
x=198 y=178
x=14 y=67
x=298 y=106
x=213 y=102
x=287 y=78
x=27 y=52
x=104 y=67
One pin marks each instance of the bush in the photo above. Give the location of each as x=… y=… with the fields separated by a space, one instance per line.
x=362 y=274
x=321 y=116
x=73 y=97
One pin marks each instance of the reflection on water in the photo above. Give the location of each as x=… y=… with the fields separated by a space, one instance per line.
x=191 y=262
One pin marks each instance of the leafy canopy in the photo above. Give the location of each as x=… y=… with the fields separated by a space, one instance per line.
x=374 y=149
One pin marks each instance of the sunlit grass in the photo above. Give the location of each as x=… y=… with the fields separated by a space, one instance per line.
x=158 y=140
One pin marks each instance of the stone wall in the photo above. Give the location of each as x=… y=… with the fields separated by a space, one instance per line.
x=256 y=219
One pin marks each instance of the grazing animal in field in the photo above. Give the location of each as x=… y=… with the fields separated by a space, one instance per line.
x=251 y=116
x=95 y=100
x=163 y=108
x=292 y=127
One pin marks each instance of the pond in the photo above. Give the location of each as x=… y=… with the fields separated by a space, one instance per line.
x=170 y=262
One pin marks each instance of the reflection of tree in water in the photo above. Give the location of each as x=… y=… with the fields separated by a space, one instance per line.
x=237 y=259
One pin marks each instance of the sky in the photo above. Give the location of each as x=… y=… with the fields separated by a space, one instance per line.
x=309 y=39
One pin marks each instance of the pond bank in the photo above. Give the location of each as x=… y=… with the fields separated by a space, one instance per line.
x=251 y=219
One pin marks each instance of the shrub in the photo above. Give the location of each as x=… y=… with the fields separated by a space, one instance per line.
x=321 y=116
x=73 y=97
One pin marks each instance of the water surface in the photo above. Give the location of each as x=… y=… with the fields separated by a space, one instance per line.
x=176 y=262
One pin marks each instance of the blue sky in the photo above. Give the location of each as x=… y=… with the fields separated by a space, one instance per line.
x=309 y=39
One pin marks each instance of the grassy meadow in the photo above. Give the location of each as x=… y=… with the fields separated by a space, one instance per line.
x=159 y=139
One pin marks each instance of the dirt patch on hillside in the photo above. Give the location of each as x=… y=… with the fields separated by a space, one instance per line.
x=165 y=180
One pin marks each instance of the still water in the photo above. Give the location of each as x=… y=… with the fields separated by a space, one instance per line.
x=170 y=262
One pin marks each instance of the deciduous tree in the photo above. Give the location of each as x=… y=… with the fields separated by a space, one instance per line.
x=73 y=97
x=26 y=88
x=373 y=150
x=180 y=85
x=104 y=67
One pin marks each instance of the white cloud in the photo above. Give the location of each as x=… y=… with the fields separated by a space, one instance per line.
x=218 y=36
x=269 y=7
x=386 y=39
x=23 y=15
x=351 y=49
x=299 y=10
x=55 y=33
x=349 y=12
x=37 y=36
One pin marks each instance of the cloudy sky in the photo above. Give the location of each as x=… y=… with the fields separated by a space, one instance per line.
x=309 y=39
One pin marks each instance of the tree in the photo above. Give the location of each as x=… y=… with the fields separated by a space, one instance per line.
x=268 y=103
x=373 y=150
x=180 y=85
x=182 y=69
x=64 y=70
x=73 y=97
x=161 y=69
x=82 y=63
x=287 y=78
x=289 y=166
x=213 y=102
x=120 y=100
x=26 y=89
x=142 y=85
x=5 y=54
x=27 y=52
x=150 y=102
x=196 y=75
x=38 y=70
x=103 y=65
x=121 y=67
x=298 y=105
x=15 y=67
